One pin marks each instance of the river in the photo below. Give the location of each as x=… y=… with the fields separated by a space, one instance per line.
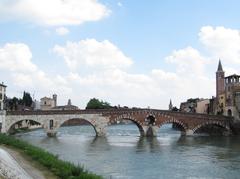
x=123 y=154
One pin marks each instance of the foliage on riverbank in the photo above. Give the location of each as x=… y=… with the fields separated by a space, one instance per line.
x=59 y=167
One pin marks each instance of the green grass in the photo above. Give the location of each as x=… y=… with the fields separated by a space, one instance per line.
x=60 y=168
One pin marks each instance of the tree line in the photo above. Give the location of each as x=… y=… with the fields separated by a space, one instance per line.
x=15 y=103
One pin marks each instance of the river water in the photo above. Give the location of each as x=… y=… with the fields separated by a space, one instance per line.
x=123 y=154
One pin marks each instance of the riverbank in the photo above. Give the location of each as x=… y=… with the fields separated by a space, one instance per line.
x=59 y=168
x=24 y=166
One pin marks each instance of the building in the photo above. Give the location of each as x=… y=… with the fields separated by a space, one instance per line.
x=47 y=103
x=227 y=94
x=2 y=95
x=232 y=95
x=203 y=106
x=189 y=106
x=69 y=106
x=2 y=103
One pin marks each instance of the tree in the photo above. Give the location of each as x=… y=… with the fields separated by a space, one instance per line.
x=175 y=108
x=12 y=104
x=95 y=103
x=27 y=99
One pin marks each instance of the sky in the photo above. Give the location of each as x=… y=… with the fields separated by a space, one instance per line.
x=126 y=52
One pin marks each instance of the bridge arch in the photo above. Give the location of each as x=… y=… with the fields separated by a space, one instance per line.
x=215 y=123
x=174 y=121
x=14 y=122
x=90 y=122
x=130 y=118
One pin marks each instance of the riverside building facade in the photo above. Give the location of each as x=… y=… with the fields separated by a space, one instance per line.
x=227 y=94
x=2 y=95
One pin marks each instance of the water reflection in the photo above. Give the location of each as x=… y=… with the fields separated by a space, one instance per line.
x=51 y=140
x=99 y=144
x=148 y=144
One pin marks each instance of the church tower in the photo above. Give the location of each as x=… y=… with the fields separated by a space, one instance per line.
x=170 y=106
x=219 y=80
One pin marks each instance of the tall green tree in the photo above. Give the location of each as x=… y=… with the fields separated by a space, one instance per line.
x=27 y=99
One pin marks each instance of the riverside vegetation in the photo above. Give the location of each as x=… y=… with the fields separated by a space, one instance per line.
x=60 y=168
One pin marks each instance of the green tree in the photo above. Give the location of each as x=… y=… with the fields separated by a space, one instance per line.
x=12 y=104
x=95 y=103
x=27 y=99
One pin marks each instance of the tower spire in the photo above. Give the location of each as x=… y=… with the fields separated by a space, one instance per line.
x=220 y=87
x=170 y=107
x=220 y=66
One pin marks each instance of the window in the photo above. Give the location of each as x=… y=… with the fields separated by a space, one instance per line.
x=1 y=96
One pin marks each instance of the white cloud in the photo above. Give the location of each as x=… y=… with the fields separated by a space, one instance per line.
x=91 y=53
x=62 y=31
x=22 y=80
x=221 y=43
x=17 y=66
x=188 y=61
x=16 y=58
x=100 y=69
x=54 y=12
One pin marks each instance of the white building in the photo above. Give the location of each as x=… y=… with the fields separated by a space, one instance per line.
x=47 y=103
x=2 y=95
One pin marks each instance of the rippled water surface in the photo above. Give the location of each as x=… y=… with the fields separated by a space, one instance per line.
x=123 y=154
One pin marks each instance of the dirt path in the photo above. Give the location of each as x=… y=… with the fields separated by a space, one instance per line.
x=31 y=167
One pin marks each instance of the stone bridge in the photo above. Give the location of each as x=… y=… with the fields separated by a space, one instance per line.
x=148 y=121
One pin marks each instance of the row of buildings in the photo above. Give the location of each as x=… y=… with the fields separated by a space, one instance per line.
x=226 y=102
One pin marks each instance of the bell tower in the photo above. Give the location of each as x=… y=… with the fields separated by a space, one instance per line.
x=219 y=80
x=170 y=106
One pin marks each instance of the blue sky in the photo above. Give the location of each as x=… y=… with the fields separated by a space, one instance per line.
x=136 y=53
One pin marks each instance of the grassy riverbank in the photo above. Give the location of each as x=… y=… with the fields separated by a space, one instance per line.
x=60 y=168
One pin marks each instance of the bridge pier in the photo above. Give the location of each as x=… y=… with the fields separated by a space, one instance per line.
x=188 y=132
x=51 y=134
x=150 y=131
x=100 y=131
